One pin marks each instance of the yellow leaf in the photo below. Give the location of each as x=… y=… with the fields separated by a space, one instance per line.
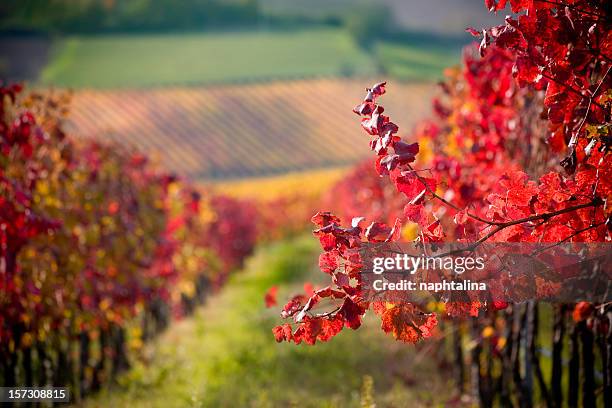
x=105 y=304
x=42 y=187
x=27 y=339
x=410 y=231
x=488 y=332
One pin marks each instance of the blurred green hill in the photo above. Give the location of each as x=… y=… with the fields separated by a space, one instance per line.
x=94 y=16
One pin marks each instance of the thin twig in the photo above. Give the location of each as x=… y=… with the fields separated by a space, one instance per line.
x=576 y=233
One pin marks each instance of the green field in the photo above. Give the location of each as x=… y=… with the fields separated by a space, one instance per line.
x=226 y=356
x=409 y=62
x=200 y=58
x=114 y=61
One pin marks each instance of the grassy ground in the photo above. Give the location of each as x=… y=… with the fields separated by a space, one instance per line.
x=199 y=58
x=112 y=61
x=225 y=355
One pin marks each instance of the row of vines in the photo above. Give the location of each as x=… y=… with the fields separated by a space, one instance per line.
x=518 y=151
x=99 y=248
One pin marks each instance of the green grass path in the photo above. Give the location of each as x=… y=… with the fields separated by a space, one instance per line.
x=225 y=355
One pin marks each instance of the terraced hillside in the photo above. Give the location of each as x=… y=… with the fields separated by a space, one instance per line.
x=235 y=131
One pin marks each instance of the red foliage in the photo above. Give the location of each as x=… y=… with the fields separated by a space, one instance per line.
x=270 y=297
x=538 y=96
x=233 y=232
x=90 y=234
x=406 y=322
x=582 y=311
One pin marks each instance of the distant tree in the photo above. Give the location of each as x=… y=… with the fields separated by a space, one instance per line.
x=125 y=15
x=369 y=23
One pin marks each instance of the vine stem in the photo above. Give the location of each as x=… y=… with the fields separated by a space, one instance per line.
x=500 y=225
x=544 y=216
x=574 y=139
x=574 y=234
x=574 y=90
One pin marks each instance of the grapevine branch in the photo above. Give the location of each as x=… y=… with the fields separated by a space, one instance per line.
x=574 y=140
x=545 y=217
x=574 y=90
x=505 y=224
x=572 y=235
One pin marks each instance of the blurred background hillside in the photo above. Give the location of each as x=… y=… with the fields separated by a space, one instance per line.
x=227 y=89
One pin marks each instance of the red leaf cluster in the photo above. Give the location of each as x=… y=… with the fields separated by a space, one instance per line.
x=564 y=50
x=270 y=296
x=343 y=300
x=405 y=321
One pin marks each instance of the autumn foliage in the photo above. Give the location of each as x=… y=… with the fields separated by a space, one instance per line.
x=94 y=237
x=518 y=151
